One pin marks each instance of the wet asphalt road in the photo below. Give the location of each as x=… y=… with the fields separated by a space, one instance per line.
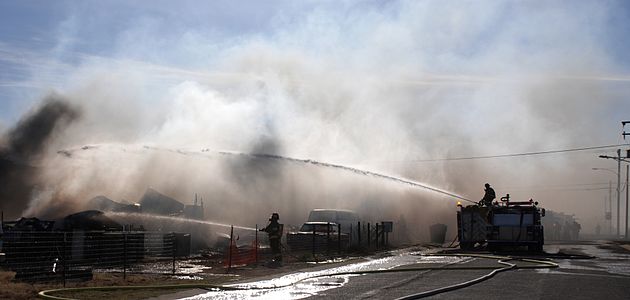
x=605 y=277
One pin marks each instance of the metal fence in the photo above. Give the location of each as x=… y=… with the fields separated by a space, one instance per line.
x=334 y=239
x=61 y=256
x=329 y=240
x=37 y=256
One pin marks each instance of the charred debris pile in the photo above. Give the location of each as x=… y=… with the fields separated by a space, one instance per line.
x=96 y=219
x=153 y=203
x=44 y=250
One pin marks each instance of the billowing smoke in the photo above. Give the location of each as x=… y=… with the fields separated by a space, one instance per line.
x=374 y=86
x=24 y=145
x=30 y=137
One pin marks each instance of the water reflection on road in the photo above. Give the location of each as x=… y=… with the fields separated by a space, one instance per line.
x=605 y=260
x=305 y=284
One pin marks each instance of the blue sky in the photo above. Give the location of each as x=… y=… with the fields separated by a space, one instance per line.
x=63 y=32
x=59 y=34
x=47 y=45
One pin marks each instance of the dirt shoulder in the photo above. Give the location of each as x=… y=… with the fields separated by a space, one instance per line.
x=11 y=289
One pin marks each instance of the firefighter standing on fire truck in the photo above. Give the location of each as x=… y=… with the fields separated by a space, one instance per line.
x=488 y=196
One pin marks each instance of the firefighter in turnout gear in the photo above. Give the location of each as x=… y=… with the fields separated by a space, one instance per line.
x=274 y=230
x=488 y=197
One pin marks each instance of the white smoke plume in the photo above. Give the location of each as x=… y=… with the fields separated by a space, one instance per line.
x=367 y=84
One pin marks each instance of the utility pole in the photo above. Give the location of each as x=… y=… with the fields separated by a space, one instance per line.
x=618 y=188
x=609 y=216
x=623 y=134
x=618 y=158
x=627 y=210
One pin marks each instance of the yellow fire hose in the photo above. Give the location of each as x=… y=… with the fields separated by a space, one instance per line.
x=537 y=264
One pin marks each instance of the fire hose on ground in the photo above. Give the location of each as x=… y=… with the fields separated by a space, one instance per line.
x=503 y=260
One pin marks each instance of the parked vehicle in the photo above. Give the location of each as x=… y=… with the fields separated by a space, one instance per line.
x=345 y=218
x=348 y=220
x=317 y=236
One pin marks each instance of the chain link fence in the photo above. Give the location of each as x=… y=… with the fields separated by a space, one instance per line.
x=60 y=256
x=48 y=256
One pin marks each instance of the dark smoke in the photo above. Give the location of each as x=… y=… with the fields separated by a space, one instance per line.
x=24 y=145
x=29 y=138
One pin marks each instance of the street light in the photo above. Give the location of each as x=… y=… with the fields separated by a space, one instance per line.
x=609 y=199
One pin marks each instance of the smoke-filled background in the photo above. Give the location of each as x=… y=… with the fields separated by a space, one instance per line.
x=111 y=98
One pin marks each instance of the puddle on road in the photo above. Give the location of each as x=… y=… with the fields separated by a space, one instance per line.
x=440 y=259
x=188 y=269
x=606 y=260
x=612 y=262
x=301 y=285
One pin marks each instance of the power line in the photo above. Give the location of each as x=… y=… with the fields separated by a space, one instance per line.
x=520 y=154
x=560 y=189
x=553 y=185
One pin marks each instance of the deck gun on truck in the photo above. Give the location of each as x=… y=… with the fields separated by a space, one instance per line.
x=505 y=223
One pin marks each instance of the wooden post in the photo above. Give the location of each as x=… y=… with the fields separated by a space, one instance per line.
x=368 y=236
x=313 y=241
x=63 y=258
x=174 y=252
x=382 y=235
x=376 y=235
x=328 y=239
x=256 y=247
x=230 y=248
x=359 y=233
x=124 y=256
x=339 y=239
x=350 y=239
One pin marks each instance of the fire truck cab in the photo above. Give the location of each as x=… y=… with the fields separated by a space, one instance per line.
x=504 y=223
